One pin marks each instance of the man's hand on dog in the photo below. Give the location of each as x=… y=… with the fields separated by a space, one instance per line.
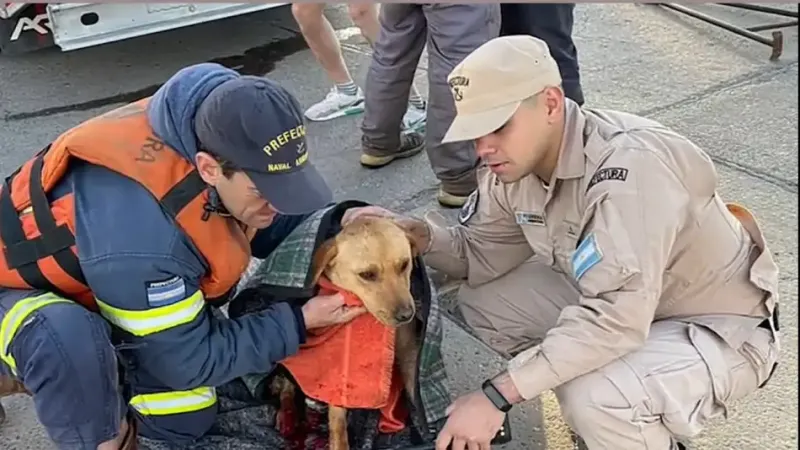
x=417 y=230
x=472 y=422
x=326 y=310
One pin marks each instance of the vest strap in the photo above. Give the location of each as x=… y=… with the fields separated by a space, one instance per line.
x=23 y=254
x=183 y=193
x=57 y=238
x=13 y=235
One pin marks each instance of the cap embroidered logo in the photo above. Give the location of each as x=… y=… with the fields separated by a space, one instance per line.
x=457 y=84
x=284 y=161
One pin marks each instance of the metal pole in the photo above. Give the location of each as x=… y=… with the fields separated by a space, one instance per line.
x=777 y=37
x=763 y=9
x=772 y=26
x=720 y=23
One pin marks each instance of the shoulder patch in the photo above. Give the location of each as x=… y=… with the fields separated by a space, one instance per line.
x=608 y=173
x=586 y=256
x=469 y=208
x=165 y=292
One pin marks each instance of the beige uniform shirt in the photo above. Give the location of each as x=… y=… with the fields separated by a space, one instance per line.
x=632 y=216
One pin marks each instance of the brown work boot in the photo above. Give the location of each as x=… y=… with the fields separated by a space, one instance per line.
x=449 y=200
x=410 y=144
x=453 y=193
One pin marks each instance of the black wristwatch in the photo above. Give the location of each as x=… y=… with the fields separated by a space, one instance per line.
x=497 y=399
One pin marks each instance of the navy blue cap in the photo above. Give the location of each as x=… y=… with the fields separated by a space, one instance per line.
x=258 y=126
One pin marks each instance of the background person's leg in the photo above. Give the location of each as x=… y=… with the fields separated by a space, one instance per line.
x=365 y=17
x=454 y=31
x=346 y=98
x=391 y=72
x=552 y=23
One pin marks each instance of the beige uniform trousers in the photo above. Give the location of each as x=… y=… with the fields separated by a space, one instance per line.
x=682 y=377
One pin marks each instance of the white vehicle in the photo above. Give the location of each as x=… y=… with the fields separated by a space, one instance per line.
x=71 y=26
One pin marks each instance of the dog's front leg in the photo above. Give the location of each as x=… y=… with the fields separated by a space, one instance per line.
x=406 y=355
x=287 y=420
x=337 y=424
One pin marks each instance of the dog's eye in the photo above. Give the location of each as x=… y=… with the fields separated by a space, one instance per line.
x=368 y=275
x=403 y=266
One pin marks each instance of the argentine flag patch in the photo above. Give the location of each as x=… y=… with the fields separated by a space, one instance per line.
x=162 y=293
x=586 y=256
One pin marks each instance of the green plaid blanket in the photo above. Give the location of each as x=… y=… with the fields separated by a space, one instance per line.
x=289 y=266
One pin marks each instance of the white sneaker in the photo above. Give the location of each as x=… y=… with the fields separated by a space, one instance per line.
x=336 y=104
x=414 y=119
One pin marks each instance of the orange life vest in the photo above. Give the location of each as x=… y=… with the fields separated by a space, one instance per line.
x=38 y=238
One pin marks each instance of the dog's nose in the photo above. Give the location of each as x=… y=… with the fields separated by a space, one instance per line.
x=404 y=315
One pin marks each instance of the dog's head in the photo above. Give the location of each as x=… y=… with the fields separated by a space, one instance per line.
x=371 y=257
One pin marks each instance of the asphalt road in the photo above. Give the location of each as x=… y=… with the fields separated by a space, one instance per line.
x=718 y=88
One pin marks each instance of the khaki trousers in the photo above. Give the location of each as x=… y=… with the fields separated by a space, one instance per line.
x=684 y=375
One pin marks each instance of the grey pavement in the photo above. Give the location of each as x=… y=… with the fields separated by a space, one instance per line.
x=717 y=88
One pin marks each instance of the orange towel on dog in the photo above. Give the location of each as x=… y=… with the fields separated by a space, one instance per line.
x=351 y=365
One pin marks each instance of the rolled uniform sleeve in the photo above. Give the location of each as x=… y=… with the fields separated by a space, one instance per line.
x=630 y=228
x=486 y=244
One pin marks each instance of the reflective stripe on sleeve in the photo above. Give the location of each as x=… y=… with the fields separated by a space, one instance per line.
x=16 y=319
x=175 y=402
x=154 y=320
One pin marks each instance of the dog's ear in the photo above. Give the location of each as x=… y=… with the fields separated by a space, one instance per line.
x=323 y=257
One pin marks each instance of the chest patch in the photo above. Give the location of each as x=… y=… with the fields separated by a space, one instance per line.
x=530 y=218
x=166 y=292
x=586 y=256
x=469 y=208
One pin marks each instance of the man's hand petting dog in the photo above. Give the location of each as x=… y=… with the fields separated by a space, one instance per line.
x=417 y=230
x=326 y=310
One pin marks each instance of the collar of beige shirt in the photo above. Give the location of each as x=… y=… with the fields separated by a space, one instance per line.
x=571 y=158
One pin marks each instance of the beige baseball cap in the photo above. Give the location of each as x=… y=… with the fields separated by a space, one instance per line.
x=491 y=82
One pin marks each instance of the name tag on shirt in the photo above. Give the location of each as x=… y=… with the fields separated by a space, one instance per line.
x=530 y=218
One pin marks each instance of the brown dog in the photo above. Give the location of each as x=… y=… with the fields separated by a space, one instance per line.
x=372 y=258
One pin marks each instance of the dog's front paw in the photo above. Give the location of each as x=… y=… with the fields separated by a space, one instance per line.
x=286 y=422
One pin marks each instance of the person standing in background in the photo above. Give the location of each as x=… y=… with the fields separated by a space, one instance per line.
x=345 y=97
x=552 y=23
x=451 y=32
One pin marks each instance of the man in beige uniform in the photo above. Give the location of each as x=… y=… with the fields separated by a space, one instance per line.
x=599 y=257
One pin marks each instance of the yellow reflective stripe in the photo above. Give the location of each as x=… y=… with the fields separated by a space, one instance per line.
x=176 y=402
x=14 y=321
x=143 y=323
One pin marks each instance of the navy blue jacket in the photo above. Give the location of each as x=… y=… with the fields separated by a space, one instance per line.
x=134 y=258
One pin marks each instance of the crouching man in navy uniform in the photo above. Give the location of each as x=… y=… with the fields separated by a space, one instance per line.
x=121 y=236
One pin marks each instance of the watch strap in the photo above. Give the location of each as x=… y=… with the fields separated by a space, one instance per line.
x=494 y=396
